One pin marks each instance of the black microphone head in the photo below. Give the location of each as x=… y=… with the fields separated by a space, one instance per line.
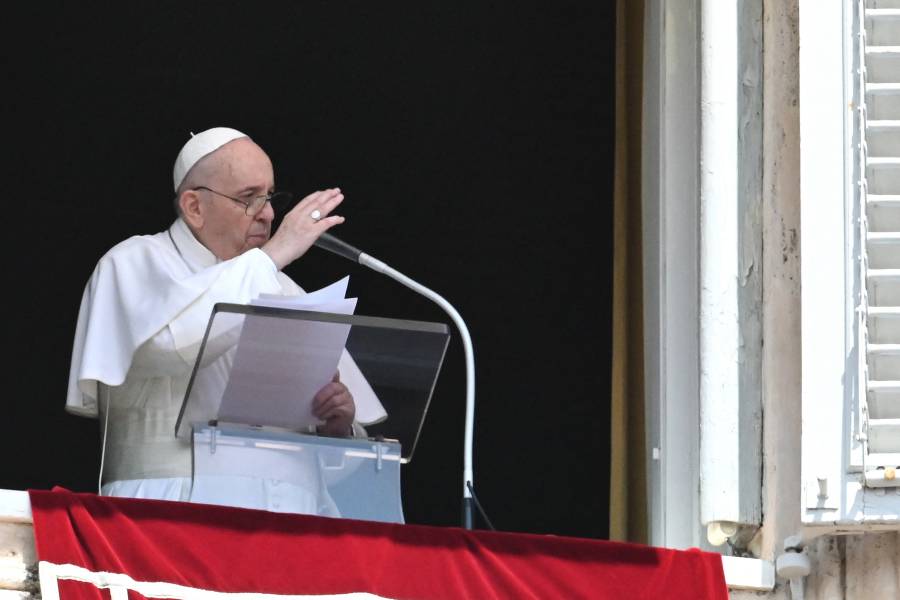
x=328 y=242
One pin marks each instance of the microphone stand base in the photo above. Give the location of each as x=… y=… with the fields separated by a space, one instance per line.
x=467 y=506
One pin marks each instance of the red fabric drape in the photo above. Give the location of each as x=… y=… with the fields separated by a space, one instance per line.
x=236 y=550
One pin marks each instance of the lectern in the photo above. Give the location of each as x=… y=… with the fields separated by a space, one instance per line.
x=253 y=436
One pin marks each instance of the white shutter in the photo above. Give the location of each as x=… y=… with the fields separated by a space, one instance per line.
x=878 y=150
x=850 y=263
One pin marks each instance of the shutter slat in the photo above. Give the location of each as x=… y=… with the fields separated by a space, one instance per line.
x=882 y=14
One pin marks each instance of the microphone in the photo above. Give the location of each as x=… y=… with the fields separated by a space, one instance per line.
x=330 y=243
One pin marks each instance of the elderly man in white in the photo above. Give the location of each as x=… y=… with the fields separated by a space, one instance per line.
x=146 y=306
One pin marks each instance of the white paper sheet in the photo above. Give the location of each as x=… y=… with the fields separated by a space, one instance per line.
x=281 y=364
x=329 y=293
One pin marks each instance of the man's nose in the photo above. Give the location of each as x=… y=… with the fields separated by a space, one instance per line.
x=267 y=214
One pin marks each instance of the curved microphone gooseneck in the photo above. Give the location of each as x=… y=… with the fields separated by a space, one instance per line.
x=328 y=242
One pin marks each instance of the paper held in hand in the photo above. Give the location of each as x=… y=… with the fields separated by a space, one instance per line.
x=281 y=364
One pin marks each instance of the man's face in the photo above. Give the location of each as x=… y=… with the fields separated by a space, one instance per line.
x=242 y=171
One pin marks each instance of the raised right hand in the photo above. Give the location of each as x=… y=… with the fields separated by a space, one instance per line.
x=298 y=230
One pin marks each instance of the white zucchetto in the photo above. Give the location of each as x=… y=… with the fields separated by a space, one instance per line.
x=199 y=146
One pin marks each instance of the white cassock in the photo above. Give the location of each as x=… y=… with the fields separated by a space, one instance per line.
x=141 y=322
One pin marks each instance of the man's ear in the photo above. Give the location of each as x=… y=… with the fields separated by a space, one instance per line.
x=191 y=210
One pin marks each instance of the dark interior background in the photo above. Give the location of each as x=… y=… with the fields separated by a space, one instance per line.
x=474 y=144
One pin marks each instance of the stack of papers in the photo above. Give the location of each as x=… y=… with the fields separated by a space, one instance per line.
x=280 y=364
x=330 y=298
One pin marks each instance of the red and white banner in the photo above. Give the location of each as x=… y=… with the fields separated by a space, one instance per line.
x=94 y=548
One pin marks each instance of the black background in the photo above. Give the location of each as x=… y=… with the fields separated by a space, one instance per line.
x=473 y=142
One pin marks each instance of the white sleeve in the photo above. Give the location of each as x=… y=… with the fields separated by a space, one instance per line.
x=174 y=348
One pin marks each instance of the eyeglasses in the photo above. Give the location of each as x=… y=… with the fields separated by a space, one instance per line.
x=252 y=207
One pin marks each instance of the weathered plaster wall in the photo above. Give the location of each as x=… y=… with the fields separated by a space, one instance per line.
x=781 y=275
x=855 y=567
x=18 y=561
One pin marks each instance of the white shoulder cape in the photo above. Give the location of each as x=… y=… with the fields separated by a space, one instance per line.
x=117 y=315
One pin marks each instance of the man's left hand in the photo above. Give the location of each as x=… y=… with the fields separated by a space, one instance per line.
x=334 y=405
